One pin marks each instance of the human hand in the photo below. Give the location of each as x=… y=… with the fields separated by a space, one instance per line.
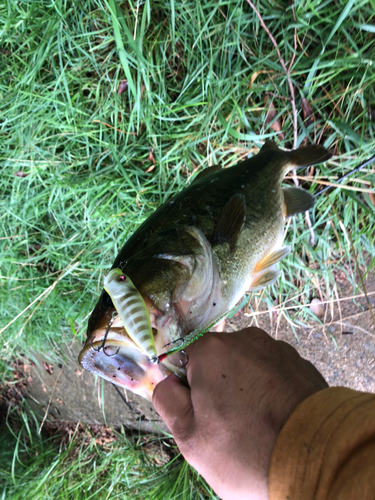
x=243 y=387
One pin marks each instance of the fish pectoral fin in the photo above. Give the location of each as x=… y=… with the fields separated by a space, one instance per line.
x=231 y=221
x=185 y=260
x=308 y=155
x=264 y=279
x=207 y=171
x=271 y=259
x=296 y=201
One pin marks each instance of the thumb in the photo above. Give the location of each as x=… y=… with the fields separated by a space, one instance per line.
x=172 y=401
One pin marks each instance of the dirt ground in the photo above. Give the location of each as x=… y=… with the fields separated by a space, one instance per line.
x=343 y=349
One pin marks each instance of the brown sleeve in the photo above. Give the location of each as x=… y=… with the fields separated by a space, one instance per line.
x=326 y=450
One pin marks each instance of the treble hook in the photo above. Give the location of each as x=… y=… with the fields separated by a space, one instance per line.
x=102 y=345
x=174 y=341
x=187 y=359
x=110 y=355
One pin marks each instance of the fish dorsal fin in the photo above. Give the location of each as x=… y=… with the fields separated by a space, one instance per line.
x=296 y=200
x=268 y=144
x=271 y=259
x=264 y=279
x=308 y=155
x=231 y=221
x=207 y=171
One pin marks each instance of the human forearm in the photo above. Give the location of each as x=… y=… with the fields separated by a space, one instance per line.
x=326 y=449
x=242 y=388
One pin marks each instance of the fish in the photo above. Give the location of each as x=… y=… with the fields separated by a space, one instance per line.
x=194 y=258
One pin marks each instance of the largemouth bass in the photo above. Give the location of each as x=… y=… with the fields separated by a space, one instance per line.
x=193 y=259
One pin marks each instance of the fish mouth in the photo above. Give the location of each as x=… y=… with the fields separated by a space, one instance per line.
x=114 y=356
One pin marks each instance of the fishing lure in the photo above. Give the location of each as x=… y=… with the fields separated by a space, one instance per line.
x=132 y=310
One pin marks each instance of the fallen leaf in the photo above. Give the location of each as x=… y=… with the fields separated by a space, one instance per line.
x=151 y=156
x=255 y=75
x=152 y=160
x=271 y=115
x=307 y=112
x=21 y=174
x=48 y=367
x=122 y=86
x=372 y=198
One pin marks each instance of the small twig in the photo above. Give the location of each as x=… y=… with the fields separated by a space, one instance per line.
x=114 y=128
x=136 y=22
x=357 y=169
x=233 y=28
x=312 y=234
x=123 y=397
x=303 y=306
x=333 y=184
x=358 y=267
x=355 y=327
x=339 y=306
x=295 y=39
x=352 y=316
x=286 y=71
x=277 y=325
x=44 y=294
x=50 y=400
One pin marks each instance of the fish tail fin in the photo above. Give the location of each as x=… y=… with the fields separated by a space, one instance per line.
x=306 y=156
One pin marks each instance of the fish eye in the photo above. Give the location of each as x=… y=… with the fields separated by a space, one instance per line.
x=122 y=278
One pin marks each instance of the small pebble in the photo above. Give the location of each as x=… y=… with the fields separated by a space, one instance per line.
x=317 y=307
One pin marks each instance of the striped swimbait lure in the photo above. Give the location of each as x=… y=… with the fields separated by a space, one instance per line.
x=132 y=310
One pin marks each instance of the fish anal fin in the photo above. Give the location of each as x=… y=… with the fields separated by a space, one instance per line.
x=296 y=201
x=271 y=259
x=308 y=155
x=264 y=279
x=207 y=171
x=231 y=221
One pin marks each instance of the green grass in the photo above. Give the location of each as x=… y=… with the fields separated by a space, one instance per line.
x=33 y=466
x=198 y=73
